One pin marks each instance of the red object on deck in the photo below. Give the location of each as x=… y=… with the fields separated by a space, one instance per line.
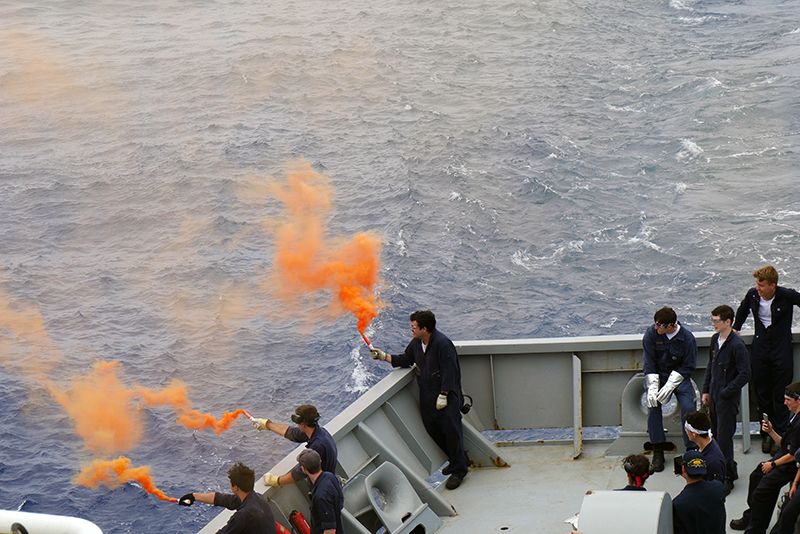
x=281 y=529
x=299 y=522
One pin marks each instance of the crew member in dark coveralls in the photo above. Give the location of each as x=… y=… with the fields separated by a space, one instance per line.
x=771 y=350
x=439 y=379
x=253 y=514
x=670 y=356
x=327 y=497
x=769 y=477
x=727 y=373
x=307 y=431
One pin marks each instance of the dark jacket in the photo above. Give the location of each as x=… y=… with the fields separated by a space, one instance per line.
x=252 y=516
x=728 y=368
x=320 y=441
x=775 y=341
x=327 y=500
x=663 y=355
x=438 y=367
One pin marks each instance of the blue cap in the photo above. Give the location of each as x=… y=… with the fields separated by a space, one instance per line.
x=694 y=463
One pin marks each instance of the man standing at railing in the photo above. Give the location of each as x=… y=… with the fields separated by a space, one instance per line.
x=771 y=352
x=670 y=357
x=439 y=379
x=727 y=373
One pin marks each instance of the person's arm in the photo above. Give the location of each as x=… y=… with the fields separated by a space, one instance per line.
x=741 y=313
x=707 y=375
x=742 y=362
x=207 y=498
x=649 y=353
x=689 y=362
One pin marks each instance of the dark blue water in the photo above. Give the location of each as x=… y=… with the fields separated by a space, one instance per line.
x=535 y=169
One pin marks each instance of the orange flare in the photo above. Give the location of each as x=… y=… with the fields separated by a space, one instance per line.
x=114 y=473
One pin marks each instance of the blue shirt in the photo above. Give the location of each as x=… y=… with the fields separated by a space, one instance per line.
x=320 y=441
x=700 y=508
x=715 y=462
x=252 y=516
x=327 y=500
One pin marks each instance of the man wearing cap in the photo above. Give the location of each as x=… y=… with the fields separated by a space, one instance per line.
x=670 y=357
x=307 y=431
x=700 y=507
x=697 y=427
x=327 y=498
x=771 y=351
x=439 y=380
x=253 y=513
x=768 y=478
x=727 y=373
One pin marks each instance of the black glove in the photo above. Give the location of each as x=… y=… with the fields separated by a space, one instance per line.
x=187 y=500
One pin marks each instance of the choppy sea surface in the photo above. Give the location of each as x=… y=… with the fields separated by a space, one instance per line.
x=534 y=169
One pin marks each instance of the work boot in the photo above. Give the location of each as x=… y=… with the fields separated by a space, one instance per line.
x=728 y=485
x=658 y=458
x=453 y=481
x=766 y=443
x=739 y=524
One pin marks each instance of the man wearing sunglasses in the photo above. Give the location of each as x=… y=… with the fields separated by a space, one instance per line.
x=307 y=431
x=771 y=351
x=670 y=357
x=768 y=478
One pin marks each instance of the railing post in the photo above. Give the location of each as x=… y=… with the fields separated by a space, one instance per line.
x=577 y=408
x=746 y=418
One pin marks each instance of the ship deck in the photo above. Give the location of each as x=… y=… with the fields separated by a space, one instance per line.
x=544 y=486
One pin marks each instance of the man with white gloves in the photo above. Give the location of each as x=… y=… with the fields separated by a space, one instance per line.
x=439 y=380
x=670 y=357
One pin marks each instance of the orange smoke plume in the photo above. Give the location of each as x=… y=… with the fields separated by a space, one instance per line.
x=114 y=473
x=100 y=405
x=199 y=421
x=305 y=262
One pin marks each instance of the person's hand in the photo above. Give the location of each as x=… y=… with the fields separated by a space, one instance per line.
x=271 y=480
x=675 y=378
x=792 y=490
x=260 y=424
x=652 y=390
x=766 y=426
x=186 y=500
x=766 y=467
x=706 y=398
x=441 y=401
x=378 y=354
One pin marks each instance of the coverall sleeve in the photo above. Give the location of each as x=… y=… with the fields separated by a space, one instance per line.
x=406 y=359
x=742 y=362
x=742 y=312
x=707 y=375
x=649 y=355
x=447 y=363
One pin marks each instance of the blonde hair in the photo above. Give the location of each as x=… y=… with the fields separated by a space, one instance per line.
x=766 y=274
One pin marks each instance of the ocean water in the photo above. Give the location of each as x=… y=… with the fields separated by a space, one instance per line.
x=533 y=168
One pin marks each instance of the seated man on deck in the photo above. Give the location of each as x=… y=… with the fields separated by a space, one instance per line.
x=307 y=430
x=698 y=427
x=637 y=467
x=700 y=507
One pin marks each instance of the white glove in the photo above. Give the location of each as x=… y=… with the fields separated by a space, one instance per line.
x=378 y=354
x=271 y=480
x=652 y=390
x=675 y=378
x=260 y=424
x=441 y=401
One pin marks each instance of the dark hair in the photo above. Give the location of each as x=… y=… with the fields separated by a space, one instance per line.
x=665 y=315
x=724 y=312
x=638 y=467
x=425 y=319
x=306 y=414
x=794 y=387
x=699 y=420
x=242 y=477
x=766 y=274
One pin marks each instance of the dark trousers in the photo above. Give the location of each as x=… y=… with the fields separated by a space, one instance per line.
x=788 y=518
x=762 y=494
x=723 y=426
x=773 y=369
x=655 y=419
x=444 y=426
